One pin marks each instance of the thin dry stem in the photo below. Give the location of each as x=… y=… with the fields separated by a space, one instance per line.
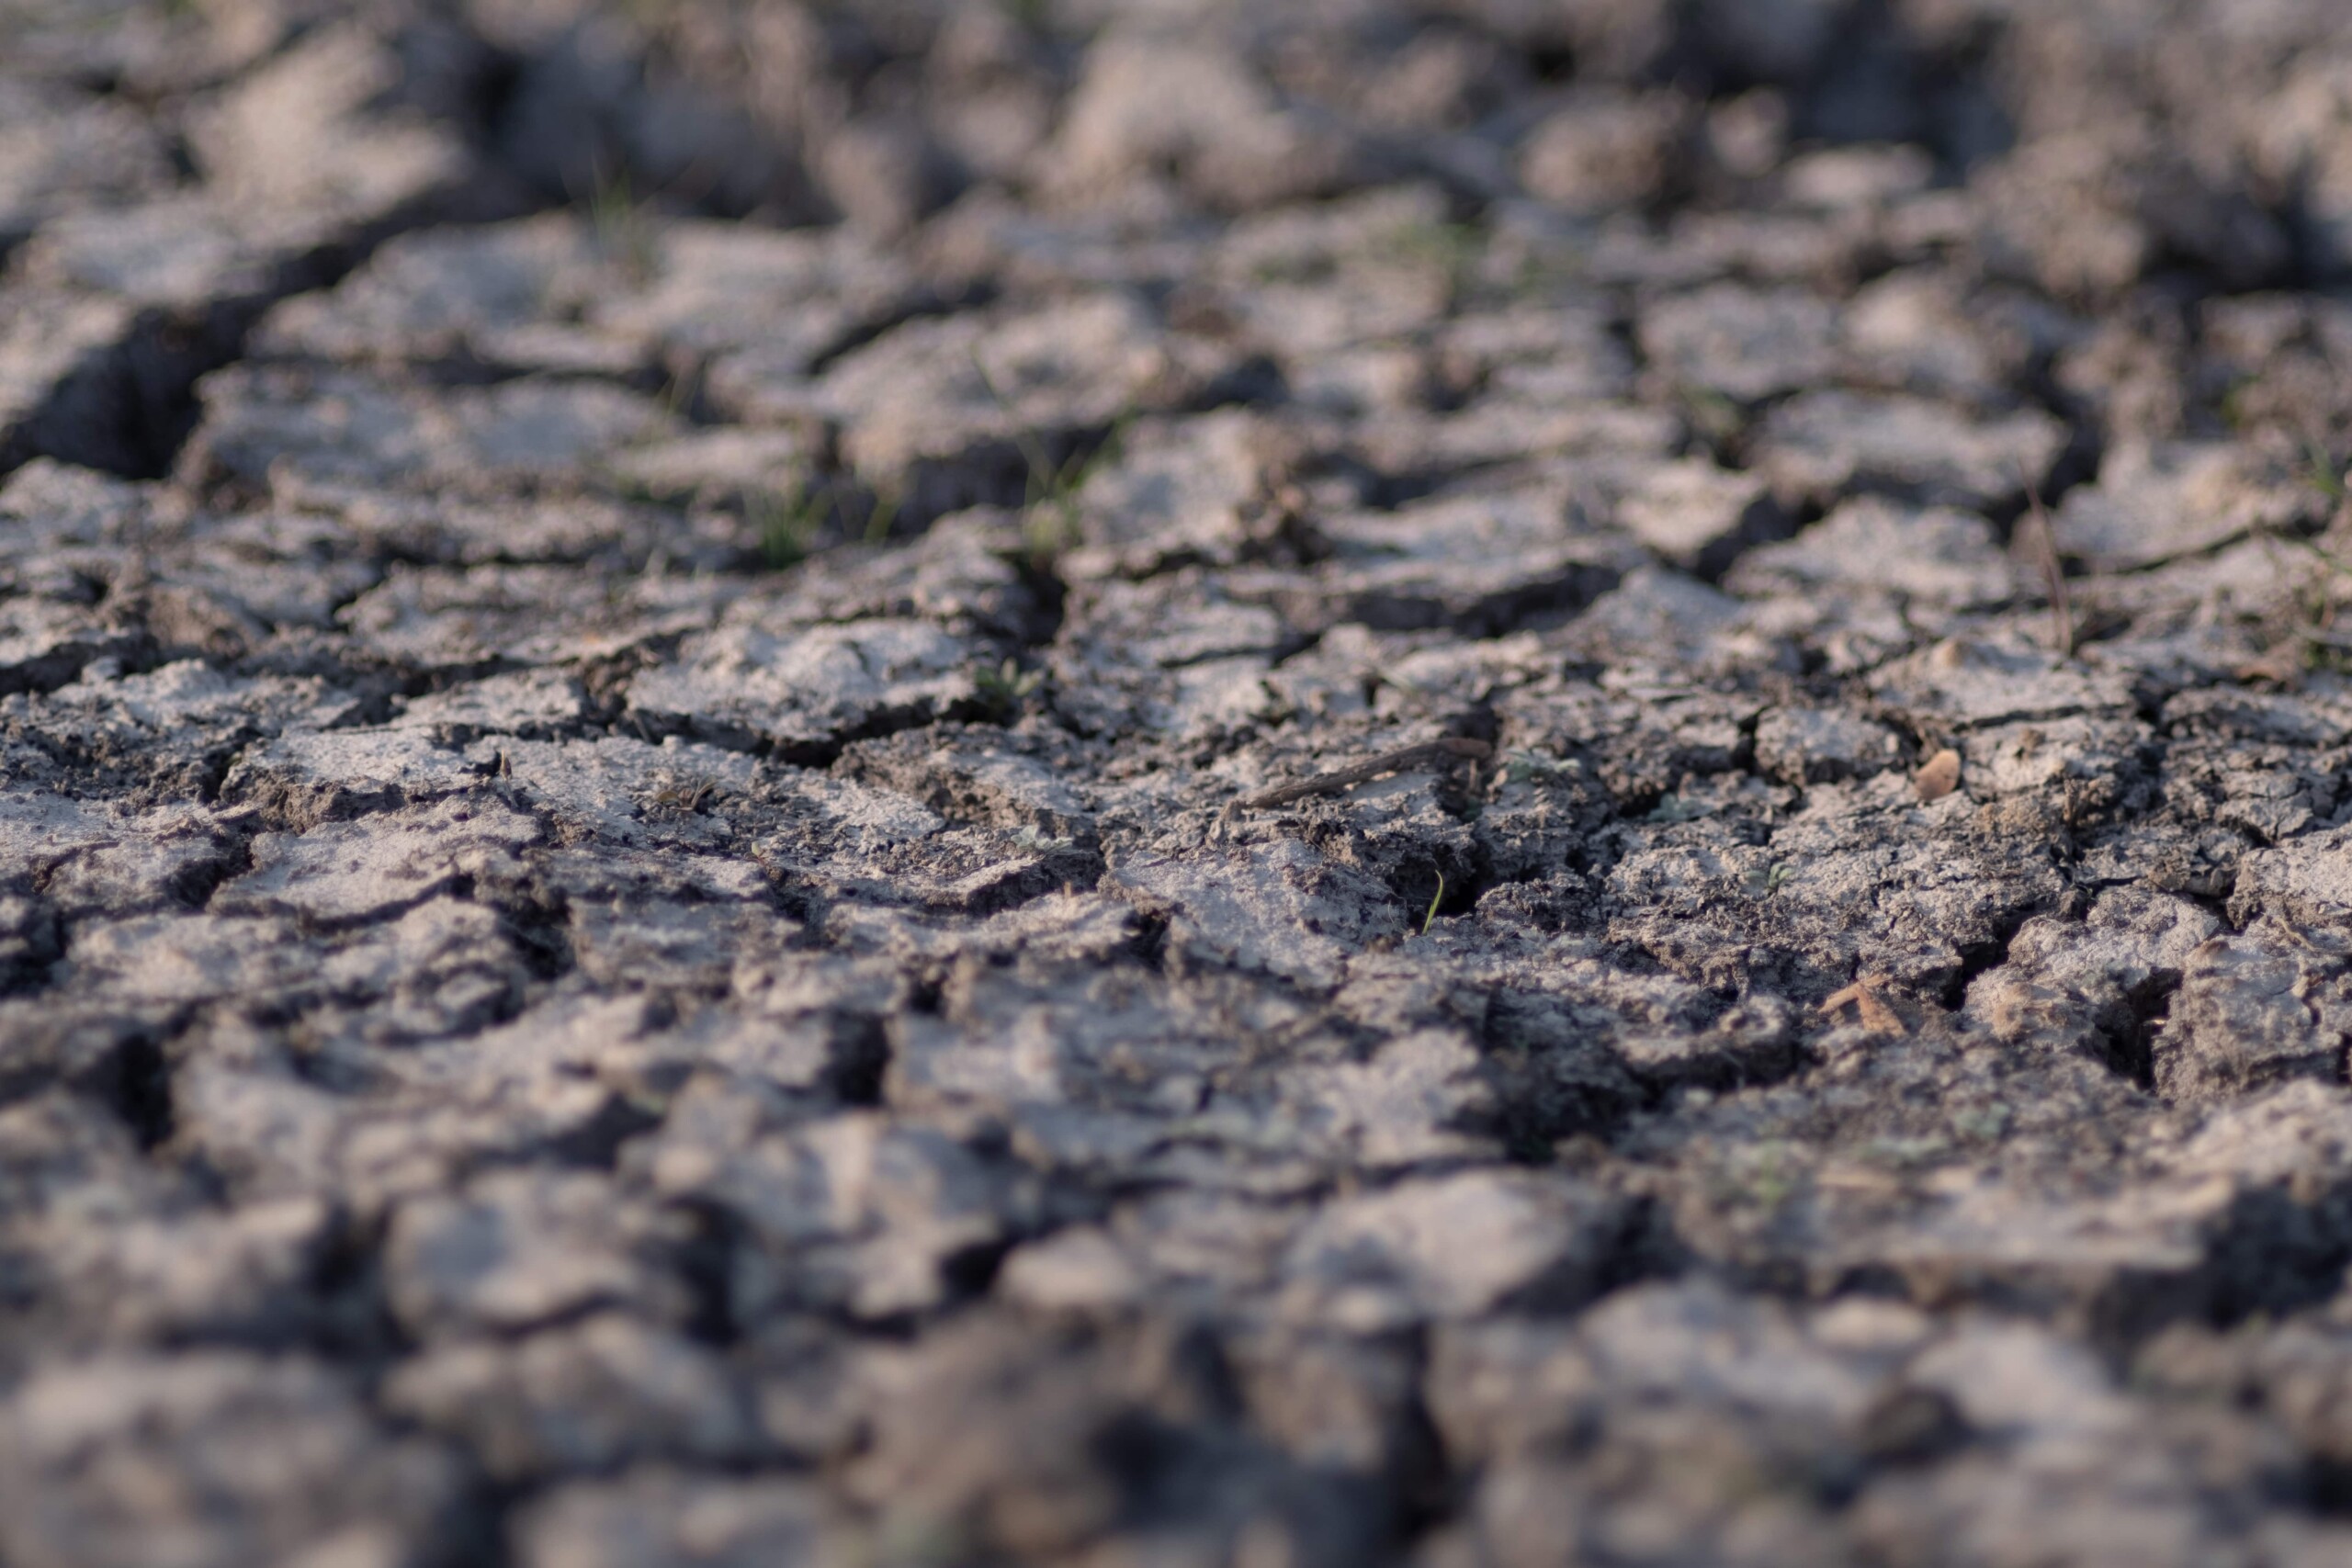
x=2053 y=572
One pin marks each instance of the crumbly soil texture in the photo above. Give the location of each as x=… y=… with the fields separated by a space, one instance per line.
x=934 y=783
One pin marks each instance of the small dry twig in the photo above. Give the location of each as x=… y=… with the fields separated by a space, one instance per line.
x=1395 y=761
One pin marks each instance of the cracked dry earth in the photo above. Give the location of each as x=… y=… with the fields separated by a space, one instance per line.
x=649 y=657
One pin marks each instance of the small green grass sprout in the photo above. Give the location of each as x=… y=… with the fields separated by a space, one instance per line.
x=1004 y=689
x=789 y=525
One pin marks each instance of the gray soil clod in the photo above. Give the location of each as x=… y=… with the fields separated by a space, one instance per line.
x=920 y=782
x=1387 y=762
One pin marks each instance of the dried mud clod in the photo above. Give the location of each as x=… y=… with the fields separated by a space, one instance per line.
x=911 y=782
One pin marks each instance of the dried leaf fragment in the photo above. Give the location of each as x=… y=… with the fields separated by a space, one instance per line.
x=1938 y=777
x=1877 y=1016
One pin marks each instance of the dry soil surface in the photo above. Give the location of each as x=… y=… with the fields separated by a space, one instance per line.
x=650 y=656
